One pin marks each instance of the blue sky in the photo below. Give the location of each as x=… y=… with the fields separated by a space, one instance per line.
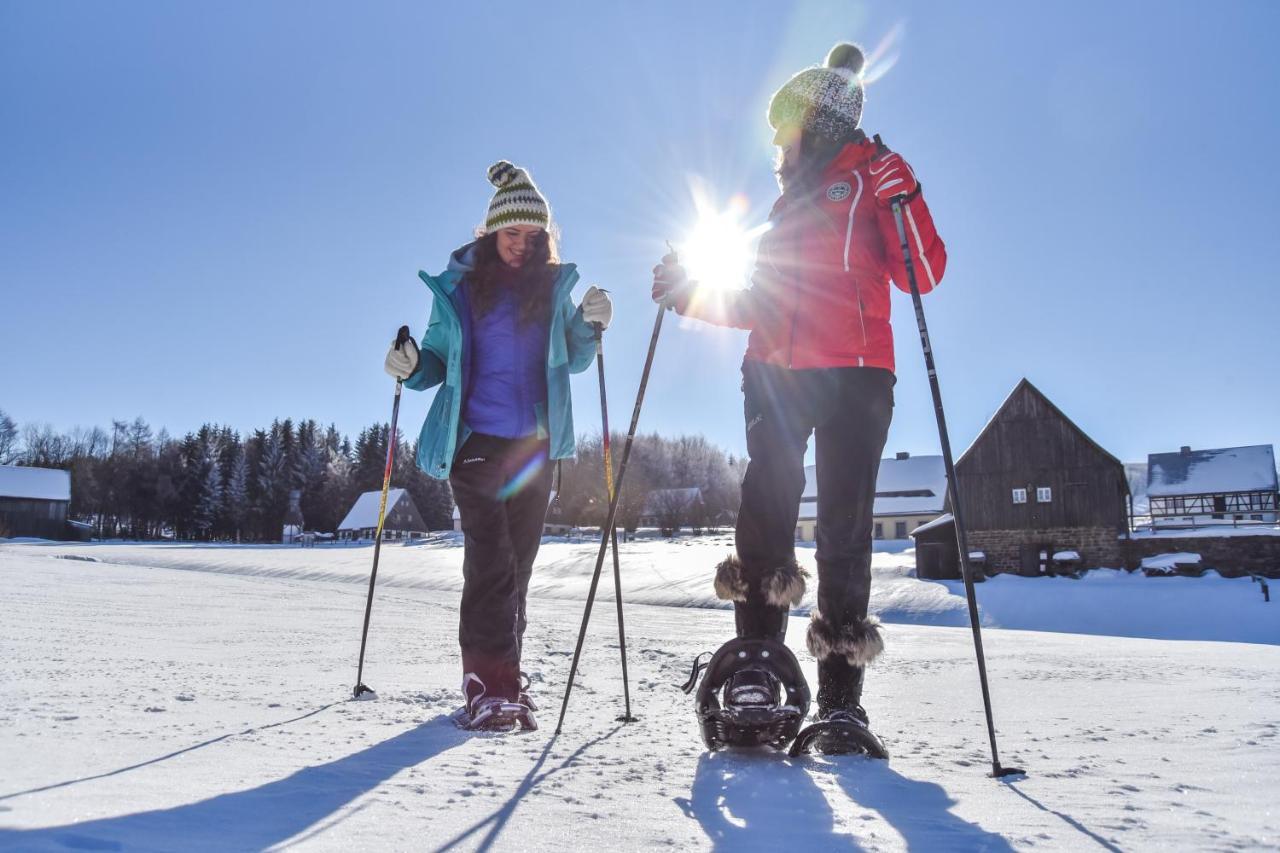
x=217 y=212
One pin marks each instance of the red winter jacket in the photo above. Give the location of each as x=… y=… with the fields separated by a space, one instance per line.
x=819 y=296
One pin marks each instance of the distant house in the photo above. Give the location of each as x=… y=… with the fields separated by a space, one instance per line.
x=34 y=501
x=670 y=509
x=1228 y=485
x=1037 y=494
x=910 y=491
x=552 y=526
x=402 y=522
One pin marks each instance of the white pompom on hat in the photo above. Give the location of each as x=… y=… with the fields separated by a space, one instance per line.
x=517 y=200
x=824 y=100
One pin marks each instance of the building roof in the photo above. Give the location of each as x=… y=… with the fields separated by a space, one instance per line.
x=942 y=520
x=1025 y=385
x=1211 y=472
x=364 y=512
x=916 y=485
x=40 y=484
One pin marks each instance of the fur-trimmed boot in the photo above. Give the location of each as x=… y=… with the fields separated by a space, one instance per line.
x=858 y=642
x=843 y=654
x=761 y=599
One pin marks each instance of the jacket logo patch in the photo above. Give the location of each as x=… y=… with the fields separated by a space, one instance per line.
x=473 y=459
x=840 y=191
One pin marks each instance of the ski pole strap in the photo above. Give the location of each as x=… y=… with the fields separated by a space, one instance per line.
x=698 y=666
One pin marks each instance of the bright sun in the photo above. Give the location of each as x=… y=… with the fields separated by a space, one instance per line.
x=717 y=252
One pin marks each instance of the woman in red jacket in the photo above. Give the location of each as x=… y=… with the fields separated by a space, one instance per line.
x=819 y=361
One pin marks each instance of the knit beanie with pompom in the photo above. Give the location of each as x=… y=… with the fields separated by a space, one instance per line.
x=517 y=201
x=827 y=100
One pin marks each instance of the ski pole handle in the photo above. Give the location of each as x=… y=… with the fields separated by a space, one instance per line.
x=672 y=257
x=404 y=339
x=881 y=150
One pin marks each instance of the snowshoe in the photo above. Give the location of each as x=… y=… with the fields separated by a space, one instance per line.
x=841 y=732
x=492 y=713
x=497 y=715
x=752 y=694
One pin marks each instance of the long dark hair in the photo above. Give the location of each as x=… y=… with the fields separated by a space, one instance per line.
x=532 y=283
x=815 y=153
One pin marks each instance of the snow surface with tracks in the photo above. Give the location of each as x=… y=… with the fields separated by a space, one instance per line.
x=161 y=697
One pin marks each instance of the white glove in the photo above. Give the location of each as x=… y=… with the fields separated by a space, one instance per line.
x=597 y=307
x=402 y=361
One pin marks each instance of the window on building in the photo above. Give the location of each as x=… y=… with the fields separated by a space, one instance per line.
x=799 y=534
x=899 y=530
x=1044 y=494
x=1257 y=516
x=879 y=530
x=1019 y=496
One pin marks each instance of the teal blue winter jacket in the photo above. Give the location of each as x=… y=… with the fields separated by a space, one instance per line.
x=570 y=349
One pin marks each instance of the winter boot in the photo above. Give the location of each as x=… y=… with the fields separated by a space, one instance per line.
x=761 y=599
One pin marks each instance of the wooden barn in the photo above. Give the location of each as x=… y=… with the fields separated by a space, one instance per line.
x=1038 y=494
x=34 y=502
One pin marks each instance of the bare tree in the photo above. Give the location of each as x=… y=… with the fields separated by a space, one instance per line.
x=8 y=439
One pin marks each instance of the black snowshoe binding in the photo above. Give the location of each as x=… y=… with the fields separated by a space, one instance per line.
x=752 y=694
x=840 y=732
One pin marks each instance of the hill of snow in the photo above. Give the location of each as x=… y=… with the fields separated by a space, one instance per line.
x=678 y=573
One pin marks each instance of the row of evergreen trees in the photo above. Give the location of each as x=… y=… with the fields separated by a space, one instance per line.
x=214 y=484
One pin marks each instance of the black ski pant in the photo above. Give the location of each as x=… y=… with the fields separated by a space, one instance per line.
x=501 y=487
x=848 y=411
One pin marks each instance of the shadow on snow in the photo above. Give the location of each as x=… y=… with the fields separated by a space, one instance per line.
x=256 y=818
x=767 y=801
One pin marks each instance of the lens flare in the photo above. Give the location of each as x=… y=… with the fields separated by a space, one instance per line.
x=719 y=247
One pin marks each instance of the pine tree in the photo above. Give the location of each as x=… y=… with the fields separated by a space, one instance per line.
x=236 y=505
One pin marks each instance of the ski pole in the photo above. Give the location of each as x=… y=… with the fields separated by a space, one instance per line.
x=613 y=513
x=402 y=338
x=965 y=570
x=608 y=483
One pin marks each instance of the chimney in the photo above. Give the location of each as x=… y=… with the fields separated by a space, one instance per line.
x=1186 y=450
x=902 y=454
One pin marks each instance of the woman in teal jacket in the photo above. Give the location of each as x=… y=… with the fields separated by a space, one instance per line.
x=503 y=338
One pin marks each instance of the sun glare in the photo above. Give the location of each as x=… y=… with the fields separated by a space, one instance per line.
x=718 y=250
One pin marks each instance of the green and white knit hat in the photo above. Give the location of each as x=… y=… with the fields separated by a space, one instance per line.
x=826 y=101
x=517 y=201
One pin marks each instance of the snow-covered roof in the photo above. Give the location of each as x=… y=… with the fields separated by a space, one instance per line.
x=1211 y=472
x=364 y=512
x=39 y=484
x=945 y=518
x=916 y=485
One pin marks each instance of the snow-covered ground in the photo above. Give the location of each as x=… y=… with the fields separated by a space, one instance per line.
x=677 y=573
x=146 y=708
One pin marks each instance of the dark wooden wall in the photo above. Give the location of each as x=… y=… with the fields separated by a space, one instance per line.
x=1030 y=444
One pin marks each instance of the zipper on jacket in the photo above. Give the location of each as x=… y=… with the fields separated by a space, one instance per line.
x=848 y=240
